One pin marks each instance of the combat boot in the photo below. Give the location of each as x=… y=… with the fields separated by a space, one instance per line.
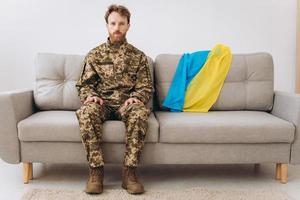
x=130 y=181
x=95 y=182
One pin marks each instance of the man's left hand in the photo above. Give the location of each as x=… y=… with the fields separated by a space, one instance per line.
x=130 y=101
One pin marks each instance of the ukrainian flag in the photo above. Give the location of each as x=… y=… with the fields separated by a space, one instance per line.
x=205 y=87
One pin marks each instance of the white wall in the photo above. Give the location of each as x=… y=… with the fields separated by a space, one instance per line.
x=76 y=26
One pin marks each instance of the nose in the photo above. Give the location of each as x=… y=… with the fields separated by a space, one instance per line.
x=117 y=28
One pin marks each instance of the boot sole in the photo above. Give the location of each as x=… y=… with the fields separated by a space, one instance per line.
x=94 y=191
x=130 y=191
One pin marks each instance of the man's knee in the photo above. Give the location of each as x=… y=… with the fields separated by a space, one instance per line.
x=88 y=109
x=139 y=110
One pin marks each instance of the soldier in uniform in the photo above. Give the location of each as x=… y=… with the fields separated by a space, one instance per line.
x=115 y=83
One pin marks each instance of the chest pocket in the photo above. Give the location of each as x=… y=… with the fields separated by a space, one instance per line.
x=131 y=68
x=106 y=70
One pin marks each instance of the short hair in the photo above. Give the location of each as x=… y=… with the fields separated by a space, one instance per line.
x=122 y=10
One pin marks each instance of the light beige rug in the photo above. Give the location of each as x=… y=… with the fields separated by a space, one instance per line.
x=187 y=194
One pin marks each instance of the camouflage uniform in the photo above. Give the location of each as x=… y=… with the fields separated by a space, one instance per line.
x=114 y=72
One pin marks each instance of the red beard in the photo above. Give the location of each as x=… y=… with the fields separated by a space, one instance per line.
x=117 y=36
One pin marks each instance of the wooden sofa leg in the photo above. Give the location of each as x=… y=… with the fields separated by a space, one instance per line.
x=278 y=171
x=30 y=171
x=27 y=172
x=284 y=173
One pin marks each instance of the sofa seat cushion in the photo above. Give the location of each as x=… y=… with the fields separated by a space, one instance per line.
x=223 y=127
x=63 y=126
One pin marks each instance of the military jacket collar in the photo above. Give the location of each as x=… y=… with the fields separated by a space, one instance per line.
x=116 y=45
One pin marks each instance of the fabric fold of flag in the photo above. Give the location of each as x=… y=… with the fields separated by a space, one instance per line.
x=205 y=87
x=188 y=66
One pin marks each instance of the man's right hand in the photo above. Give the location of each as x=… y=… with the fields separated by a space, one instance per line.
x=94 y=99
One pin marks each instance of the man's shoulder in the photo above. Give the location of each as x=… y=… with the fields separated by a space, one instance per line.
x=134 y=50
x=96 y=51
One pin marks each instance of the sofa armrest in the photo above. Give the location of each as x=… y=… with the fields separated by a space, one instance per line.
x=14 y=107
x=287 y=107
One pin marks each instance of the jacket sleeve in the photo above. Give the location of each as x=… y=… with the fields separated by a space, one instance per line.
x=88 y=81
x=143 y=87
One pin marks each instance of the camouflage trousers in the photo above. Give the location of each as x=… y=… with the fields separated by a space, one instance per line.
x=91 y=117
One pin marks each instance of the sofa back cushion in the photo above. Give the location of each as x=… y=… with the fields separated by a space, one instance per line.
x=56 y=76
x=248 y=85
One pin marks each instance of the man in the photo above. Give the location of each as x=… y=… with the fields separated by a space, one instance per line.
x=115 y=83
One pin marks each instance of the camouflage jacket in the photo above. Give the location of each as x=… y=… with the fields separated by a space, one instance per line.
x=115 y=72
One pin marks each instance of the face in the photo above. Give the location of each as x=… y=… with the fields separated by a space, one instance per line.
x=117 y=27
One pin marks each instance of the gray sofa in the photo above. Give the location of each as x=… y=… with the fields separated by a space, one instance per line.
x=249 y=123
